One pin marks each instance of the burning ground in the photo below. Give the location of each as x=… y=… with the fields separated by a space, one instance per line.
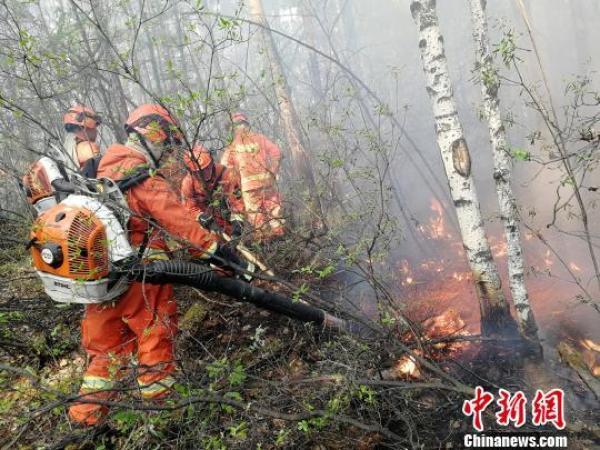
x=442 y=302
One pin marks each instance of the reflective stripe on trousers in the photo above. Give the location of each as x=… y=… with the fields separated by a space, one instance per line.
x=92 y=383
x=156 y=388
x=261 y=180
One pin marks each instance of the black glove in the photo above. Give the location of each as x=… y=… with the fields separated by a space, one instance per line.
x=237 y=229
x=227 y=254
x=206 y=220
x=228 y=258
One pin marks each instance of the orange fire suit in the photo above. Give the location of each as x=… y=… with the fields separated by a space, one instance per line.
x=257 y=160
x=86 y=150
x=144 y=318
x=220 y=195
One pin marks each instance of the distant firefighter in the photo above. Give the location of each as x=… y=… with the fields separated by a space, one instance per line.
x=81 y=125
x=45 y=178
x=213 y=192
x=257 y=160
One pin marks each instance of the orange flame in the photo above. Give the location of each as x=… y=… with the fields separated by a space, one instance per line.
x=436 y=228
x=591 y=355
x=406 y=367
x=590 y=345
x=500 y=249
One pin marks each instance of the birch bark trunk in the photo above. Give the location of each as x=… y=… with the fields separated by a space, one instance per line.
x=288 y=115
x=495 y=314
x=490 y=84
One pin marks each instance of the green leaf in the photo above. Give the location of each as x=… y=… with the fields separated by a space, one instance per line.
x=238 y=376
x=337 y=163
x=126 y=419
x=304 y=426
x=239 y=431
x=303 y=289
x=327 y=270
x=225 y=23
x=282 y=436
x=217 y=368
x=521 y=154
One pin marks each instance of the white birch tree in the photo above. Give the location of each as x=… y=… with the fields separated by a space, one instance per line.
x=509 y=212
x=495 y=314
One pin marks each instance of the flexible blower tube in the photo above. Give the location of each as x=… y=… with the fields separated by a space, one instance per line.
x=206 y=279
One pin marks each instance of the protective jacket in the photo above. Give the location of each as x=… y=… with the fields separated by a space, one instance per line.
x=144 y=318
x=257 y=159
x=86 y=150
x=219 y=196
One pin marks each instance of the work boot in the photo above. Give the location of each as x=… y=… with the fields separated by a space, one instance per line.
x=89 y=414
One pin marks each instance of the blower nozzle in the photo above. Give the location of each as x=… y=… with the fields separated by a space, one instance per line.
x=205 y=278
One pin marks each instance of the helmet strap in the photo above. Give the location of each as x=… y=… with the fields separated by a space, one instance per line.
x=137 y=141
x=150 y=151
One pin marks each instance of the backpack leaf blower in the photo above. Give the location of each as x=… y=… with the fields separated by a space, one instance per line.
x=80 y=251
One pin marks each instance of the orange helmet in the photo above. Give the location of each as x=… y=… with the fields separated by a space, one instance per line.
x=239 y=118
x=82 y=116
x=155 y=124
x=199 y=159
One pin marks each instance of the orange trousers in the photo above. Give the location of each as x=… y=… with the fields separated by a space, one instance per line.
x=144 y=318
x=263 y=213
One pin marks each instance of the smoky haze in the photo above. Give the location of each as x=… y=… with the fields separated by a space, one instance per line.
x=374 y=152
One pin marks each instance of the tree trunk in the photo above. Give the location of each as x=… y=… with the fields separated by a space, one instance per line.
x=289 y=118
x=115 y=107
x=313 y=63
x=153 y=61
x=490 y=84
x=495 y=314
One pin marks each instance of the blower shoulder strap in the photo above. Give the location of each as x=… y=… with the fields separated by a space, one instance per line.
x=140 y=174
x=90 y=167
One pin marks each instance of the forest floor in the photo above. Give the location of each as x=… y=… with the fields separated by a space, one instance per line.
x=246 y=379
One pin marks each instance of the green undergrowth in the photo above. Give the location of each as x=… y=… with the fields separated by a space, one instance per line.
x=246 y=378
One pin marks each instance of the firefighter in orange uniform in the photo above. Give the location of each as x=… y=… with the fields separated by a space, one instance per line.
x=44 y=177
x=81 y=124
x=143 y=320
x=257 y=160
x=213 y=193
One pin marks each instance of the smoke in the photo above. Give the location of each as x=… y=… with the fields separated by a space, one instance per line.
x=375 y=153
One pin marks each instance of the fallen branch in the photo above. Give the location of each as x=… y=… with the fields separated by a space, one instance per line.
x=574 y=359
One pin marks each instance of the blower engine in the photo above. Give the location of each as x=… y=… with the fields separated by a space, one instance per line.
x=77 y=247
x=80 y=251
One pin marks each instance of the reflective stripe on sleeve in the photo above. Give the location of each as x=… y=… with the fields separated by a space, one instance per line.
x=246 y=148
x=210 y=251
x=264 y=176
